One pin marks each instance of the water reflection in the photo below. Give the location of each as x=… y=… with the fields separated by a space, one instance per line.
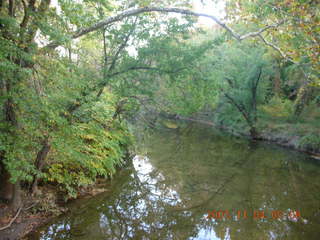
x=187 y=173
x=154 y=181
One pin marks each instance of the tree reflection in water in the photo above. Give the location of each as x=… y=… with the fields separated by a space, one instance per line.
x=168 y=193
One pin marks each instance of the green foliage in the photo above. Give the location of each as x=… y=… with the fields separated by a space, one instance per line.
x=237 y=67
x=279 y=108
x=88 y=151
x=223 y=77
x=297 y=36
x=187 y=87
x=87 y=142
x=310 y=142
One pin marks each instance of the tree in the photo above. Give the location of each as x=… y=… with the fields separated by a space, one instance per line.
x=239 y=70
x=296 y=39
x=230 y=79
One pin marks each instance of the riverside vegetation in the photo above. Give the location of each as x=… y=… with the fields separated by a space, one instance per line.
x=74 y=73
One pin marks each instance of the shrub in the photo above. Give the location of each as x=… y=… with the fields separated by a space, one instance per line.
x=279 y=108
x=310 y=142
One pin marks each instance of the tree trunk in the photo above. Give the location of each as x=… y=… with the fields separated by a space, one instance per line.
x=16 y=201
x=302 y=99
x=32 y=17
x=254 y=133
x=277 y=81
x=40 y=161
x=12 y=192
x=5 y=184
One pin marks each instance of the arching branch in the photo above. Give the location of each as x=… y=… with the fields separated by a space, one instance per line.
x=258 y=33
x=275 y=48
x=133 y=12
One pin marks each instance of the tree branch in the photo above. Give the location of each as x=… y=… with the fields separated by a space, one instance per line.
x=230 y=82
x=116 y=56
x=12 y=220
x=134 y=12
x=286 y=57
x=275 y=48
x=258 y=33
x=240 y=107
x=121 y=47
x=258 y=78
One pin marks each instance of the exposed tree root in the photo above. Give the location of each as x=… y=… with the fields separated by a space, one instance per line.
x=12 y=220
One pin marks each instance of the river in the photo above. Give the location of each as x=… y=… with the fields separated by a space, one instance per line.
x=197 y=183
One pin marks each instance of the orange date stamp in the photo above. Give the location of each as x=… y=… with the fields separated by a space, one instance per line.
x=255 y=214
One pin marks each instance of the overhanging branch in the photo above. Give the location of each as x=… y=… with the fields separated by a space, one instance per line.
x=275 y=48
x=133 y=12
x=258 y=33
x=286 y=57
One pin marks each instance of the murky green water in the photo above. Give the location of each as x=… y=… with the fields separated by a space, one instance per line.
x=185 y=173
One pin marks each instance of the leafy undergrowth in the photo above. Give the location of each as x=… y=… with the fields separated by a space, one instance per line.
x=278 y=123
x=91 y=153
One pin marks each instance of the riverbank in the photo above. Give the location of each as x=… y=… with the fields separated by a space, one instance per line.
x=293 y=142
x=41 y=209
x=284 y=135
x=25 y=223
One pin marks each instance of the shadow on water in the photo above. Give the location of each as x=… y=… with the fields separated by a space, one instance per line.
x=186 y=175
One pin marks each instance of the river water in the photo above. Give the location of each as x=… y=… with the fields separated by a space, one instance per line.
x=196 y=183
